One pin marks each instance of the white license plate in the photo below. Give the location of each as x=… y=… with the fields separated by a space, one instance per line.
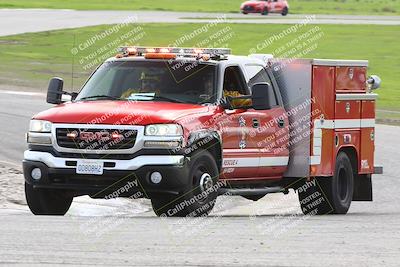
x=89 y=167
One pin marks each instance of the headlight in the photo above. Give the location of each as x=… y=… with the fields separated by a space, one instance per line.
x=40 y=126
x=164 y=130
x=162 y=144
x=38 y=138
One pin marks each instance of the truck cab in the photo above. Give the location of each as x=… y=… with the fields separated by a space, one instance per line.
x=179 y=126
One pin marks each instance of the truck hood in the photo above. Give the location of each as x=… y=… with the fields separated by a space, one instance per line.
x=119 y=112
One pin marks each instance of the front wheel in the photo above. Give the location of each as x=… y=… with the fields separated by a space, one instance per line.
x=47 y=201
x=200 y=196
x=285 y=11
x=329 y=195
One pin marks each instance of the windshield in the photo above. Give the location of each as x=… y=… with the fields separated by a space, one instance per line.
x=172 y=81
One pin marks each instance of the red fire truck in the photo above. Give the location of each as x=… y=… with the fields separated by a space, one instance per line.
x=181 y=126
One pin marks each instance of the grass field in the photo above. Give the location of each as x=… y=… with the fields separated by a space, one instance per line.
x=31 y=59
x=383 y=7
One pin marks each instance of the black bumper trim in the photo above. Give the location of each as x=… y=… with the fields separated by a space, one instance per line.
x=175 y=180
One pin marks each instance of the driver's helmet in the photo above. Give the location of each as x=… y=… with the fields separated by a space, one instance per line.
x=150 y=82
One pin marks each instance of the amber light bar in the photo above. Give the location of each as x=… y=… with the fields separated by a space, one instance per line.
x=139 y=51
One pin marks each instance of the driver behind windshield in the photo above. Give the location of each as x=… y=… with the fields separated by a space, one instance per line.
x=149 y=84
x=152 y=81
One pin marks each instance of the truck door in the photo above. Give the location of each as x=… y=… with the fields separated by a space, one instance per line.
x=240 y=153
x=270 y=128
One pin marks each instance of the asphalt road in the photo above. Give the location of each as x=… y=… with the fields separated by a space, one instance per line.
x=15 y=21
x=16 y=109
x=269 y=232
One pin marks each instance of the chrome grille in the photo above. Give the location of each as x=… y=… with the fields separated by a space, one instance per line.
x=95 y=139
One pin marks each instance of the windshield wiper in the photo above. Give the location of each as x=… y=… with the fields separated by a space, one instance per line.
x=156 y=97
x=100 y=96
x=169 y=99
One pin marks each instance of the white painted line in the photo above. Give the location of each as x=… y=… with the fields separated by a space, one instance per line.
x=21 y=93
x=388 y=111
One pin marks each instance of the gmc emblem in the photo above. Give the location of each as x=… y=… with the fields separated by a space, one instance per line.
x=90 y=136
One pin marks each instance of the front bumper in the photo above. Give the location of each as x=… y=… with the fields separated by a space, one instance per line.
x=109 y=164
x=60 y=173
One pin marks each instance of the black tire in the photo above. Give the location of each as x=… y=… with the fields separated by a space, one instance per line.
x=244 y=13
x=330 y=195
x=200 y=194
x=264 y=12
x=285 y=11
x=47 y=201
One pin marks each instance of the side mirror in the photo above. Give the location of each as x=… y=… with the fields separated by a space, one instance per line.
x=262 y=96
x=55 y=91
x=374 y=82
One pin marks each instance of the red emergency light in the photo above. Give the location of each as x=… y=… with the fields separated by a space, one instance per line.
x=172 y=52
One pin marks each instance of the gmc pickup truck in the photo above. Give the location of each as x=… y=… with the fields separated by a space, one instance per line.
x=181 y=126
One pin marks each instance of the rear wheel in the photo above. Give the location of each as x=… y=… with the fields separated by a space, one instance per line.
x=285 y=11
x=47 y=201
x=199 y=198
x=329 y=195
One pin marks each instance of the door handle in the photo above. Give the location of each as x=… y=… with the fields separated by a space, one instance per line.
x=256 y=123
x=281 y=123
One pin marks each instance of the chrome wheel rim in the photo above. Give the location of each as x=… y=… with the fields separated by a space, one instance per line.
x=206 y=182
